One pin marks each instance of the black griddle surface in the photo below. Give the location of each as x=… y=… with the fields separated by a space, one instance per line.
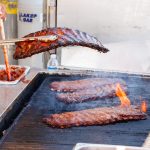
x=29 y=132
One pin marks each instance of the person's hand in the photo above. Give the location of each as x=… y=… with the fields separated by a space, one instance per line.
x=2 y=12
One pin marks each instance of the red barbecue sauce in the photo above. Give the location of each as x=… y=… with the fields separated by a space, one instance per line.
x=15 y=72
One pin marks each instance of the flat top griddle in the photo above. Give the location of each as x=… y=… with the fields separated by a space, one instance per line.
x=29 y=132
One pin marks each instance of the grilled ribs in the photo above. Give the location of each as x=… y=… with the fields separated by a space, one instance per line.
x=71 y=86
x=66 y=37
x=96 y=116
x=105 y=91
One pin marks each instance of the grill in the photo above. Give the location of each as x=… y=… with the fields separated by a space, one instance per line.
x=29 y=132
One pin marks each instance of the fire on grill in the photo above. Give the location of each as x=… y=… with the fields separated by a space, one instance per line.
x=101 y=115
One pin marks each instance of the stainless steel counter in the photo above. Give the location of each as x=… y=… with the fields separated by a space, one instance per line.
x=8 y=93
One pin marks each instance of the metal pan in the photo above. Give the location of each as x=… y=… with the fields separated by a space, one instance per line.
x=86 y=146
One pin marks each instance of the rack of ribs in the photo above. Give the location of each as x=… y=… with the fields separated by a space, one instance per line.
x=96 y=116
x=90 y=94
x=66 y=37
x=75 y=85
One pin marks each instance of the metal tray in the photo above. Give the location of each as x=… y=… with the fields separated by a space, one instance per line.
x=27 y=68
x=87 y=146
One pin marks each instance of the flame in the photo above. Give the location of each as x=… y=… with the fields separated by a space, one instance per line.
x=122 y=96
x=143 y=106
x=125 y=101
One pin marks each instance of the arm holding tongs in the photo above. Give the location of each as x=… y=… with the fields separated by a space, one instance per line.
x=4 y=42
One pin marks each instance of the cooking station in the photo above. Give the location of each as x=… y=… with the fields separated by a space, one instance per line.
x=26 y=104
x=46 y=105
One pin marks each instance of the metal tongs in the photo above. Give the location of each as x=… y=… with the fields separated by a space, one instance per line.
x=47 y=38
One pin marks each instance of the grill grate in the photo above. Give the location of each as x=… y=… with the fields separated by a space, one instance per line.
x=28 y=132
